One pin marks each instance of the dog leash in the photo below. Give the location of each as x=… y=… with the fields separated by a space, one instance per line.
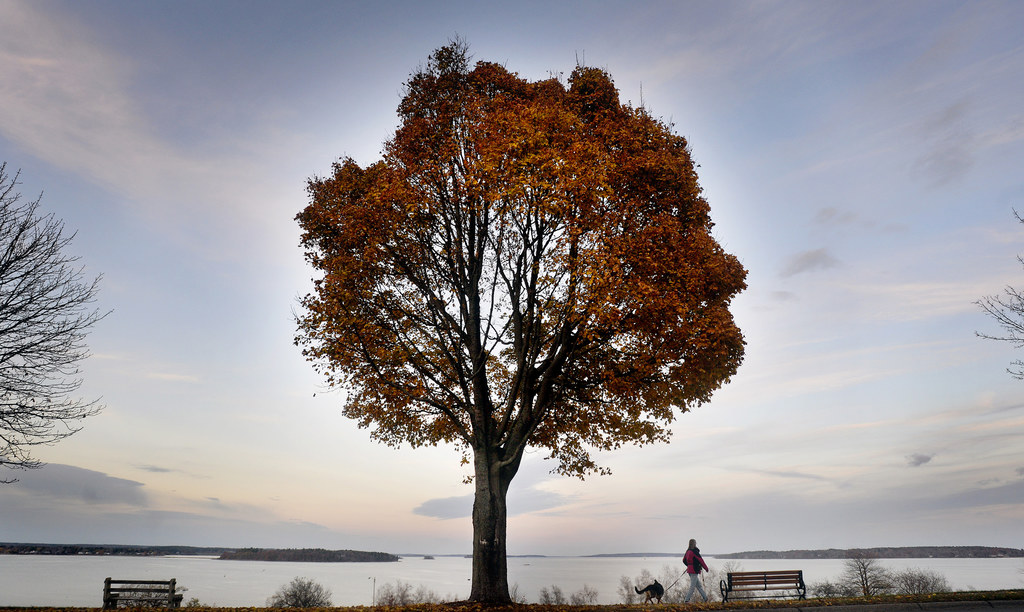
x=676 y=582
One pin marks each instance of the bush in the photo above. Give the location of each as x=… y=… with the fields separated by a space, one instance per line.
x=919 y=582
x=584 y=597
x=554 y=597
x=300 y=593
x=516 y=596
x=403 y=594
x=831 y=589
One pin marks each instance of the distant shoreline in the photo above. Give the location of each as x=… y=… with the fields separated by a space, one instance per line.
x=894 y=552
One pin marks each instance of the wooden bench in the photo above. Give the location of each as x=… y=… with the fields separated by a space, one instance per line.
x=755 y=582
x=136 y=593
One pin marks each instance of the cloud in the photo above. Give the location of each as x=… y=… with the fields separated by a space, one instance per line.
x=169 y=377
x=789 y=474
x=1009 y=494
x=1020 y=472
x=446 y=507
x=809 y=261
x=68 y=484
x=155 y=469
x=783 y=296
x=833 y=216
x=520 y=501
x=949 y=145
x=918 y=459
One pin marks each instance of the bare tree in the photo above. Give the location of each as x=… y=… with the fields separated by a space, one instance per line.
x=553 y=597
x=300 y=593
x=45 y=313
x=627 y=594
x=865 y=574
x=515 y=594
x=587 y=596
x=1008 y=311
x=403 y=594
x=919 y=582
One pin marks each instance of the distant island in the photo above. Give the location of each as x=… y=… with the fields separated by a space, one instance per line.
x=898 y=552
x=233 y=554
x=317 y=555
x=124 y=550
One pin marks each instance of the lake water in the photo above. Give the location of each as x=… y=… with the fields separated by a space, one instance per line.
x=56 y=581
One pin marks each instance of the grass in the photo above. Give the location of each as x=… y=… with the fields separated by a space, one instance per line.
x=1005 y=595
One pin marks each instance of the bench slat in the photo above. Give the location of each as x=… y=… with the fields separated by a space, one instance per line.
x=166 y=583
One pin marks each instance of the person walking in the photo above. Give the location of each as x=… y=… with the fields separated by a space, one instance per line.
x=694 y=565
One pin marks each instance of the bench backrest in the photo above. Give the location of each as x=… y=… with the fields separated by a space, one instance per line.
x=767 y=580
x=140 y=590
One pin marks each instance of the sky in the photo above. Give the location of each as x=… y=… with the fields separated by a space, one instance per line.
x=862 y=159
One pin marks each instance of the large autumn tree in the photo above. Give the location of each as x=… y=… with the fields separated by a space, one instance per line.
x=529 y=265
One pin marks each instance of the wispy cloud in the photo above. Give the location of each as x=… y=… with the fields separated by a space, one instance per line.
x=809 y=261
x=171 y=377
x=948 y=145
x=66 y=101
x=789 y=474
x=523 y=501
x=72 y=101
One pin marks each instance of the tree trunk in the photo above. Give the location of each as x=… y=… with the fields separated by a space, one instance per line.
x=490 y=517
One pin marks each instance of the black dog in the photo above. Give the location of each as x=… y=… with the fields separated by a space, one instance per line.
x=653 y=591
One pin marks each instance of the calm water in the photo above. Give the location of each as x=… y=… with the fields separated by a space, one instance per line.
x=27 y=580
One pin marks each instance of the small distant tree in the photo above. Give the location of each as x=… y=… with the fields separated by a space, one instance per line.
x=675 y=583
x=626 y=593
x=1008 y=311
x=713 y=578
x=584 y=597
x=517 y=596
x=403 y=594
x=300 y=593
x=552 y=596
x=398 y=594
x=45 y=313
x=865 y=575
x=913 y=581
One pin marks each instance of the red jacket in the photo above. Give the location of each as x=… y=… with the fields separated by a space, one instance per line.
x=690 y=558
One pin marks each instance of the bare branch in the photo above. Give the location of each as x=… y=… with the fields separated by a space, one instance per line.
x=45 y=313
